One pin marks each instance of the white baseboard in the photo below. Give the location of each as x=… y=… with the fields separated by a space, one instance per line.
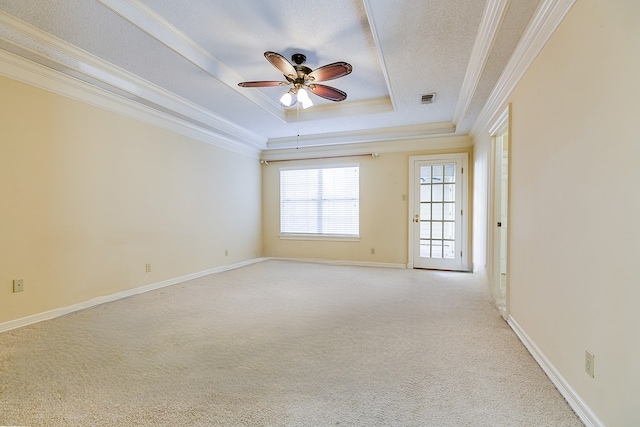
x=587 y=416
x=52 y=314
x=341 y=262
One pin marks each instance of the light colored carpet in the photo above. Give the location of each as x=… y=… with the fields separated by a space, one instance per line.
x=282 y=344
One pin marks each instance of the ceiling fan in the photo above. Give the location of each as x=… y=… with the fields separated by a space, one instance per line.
x=303 y=77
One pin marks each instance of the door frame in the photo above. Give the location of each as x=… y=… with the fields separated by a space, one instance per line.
x=502 y=123
x=464 y=203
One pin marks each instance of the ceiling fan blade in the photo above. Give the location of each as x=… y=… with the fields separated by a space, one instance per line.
x=328 y=92
x=331 y=71
x=262 y=84
x=282 y=64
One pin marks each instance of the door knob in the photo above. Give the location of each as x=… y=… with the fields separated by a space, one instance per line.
x=416 y=218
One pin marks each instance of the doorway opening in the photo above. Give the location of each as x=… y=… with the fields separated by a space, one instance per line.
x=499 y=276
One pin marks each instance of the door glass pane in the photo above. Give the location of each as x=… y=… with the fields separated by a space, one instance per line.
x=449 y=192
x=437 y=192
x=449 y=211
x=436 y=230
x=437 y=174
x=449 y=249
x=425 y=211
x=425 y=174
x=425 y=249
x=425 y=230
x=436 y=249
x=450 y=173
x=425 y=192
x=449 y=231
x=436 y=211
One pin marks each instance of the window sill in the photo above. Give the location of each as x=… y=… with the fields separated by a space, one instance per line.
x=323 y=237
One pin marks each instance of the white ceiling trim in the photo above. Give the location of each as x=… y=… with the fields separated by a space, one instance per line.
x=501 y=122
x=492 y=18
x=454 y=142
x=147 y=20
x=376 y=41
x=355 y=137
x=39 y=43
x=26 y=71
x=327 y=111
x=546 y=19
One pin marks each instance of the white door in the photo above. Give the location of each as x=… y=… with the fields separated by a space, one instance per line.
x=437 y=228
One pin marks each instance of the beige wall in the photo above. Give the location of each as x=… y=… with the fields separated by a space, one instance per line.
x=89 y=197
x=384 y=198
x=575 y=204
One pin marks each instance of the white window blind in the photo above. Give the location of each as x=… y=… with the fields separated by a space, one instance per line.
x=322 y=201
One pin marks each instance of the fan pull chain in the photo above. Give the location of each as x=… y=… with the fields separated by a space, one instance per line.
x=298 y=125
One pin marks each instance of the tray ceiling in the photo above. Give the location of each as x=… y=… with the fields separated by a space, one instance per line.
x=184 y=59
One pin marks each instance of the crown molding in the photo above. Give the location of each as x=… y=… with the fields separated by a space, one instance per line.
x=546 y=19
x=150 y=22
x=26 y=71
x=443 y=142
x=492 y=18
x=354 y=137
x=501 y=122
x=75 y=73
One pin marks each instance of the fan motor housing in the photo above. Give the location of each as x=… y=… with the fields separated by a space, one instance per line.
x=298 y=58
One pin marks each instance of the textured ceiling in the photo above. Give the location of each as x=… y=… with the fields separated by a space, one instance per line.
x=186 y=58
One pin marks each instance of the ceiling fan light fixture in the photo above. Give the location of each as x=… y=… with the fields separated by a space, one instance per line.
x=303 y=97
x=288 y=99
x=302 y=77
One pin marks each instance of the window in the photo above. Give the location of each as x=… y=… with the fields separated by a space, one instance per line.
x=320 y=202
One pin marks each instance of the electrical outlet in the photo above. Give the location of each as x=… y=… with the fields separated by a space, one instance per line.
x=147 y=268
x=226 y=252
x=18 y=285
x=373 y=251
x=589 y=361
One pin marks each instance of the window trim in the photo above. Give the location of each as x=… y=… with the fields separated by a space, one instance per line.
x=326 y=237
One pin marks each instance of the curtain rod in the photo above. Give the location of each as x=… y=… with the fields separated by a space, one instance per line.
x=373 y=155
